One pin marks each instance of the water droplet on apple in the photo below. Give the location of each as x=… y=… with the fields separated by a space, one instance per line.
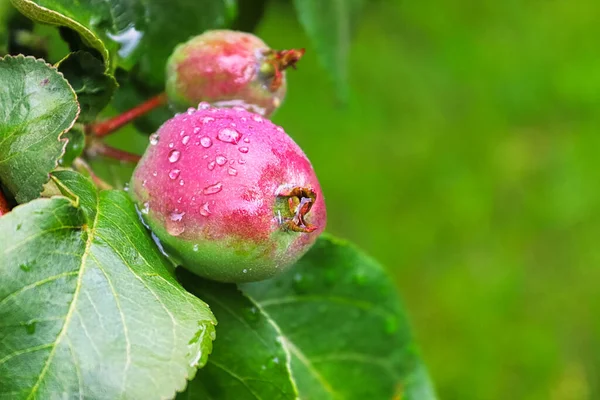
x=174 y=173
x=176 y=216
x=212 y=189
x=174 y=156
x=229 y=136
x=206 y=142
x=221 y=160
x=204 y=210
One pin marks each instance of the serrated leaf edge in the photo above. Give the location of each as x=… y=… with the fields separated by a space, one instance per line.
x=110 y=76
x=11 y=58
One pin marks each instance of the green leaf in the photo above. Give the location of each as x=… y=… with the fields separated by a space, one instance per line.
x=75 y=145
x=330 y=24
x=5 y=12
x=88 y=306
x=127 y=32
x=36 y=106
x=343 y=324
x=94 y=88
x=248 y=360
x=249 y=14
x=83 y=17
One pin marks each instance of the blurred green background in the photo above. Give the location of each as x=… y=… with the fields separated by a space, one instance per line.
x=467 y=162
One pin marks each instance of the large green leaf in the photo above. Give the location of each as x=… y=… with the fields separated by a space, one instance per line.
x=88 y=306
x=248 y=359
x=36 y=106
x=94 y=88
x=133 y=30
x=330 y=25
x=343 y=324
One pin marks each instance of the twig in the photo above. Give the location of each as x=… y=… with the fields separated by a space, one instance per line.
x=109 y=126
x=80 y=165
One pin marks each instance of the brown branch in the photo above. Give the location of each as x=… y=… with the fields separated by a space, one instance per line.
x=80 y=165
x=109 y=126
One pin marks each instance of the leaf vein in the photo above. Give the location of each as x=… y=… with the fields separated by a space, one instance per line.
x=71 y=307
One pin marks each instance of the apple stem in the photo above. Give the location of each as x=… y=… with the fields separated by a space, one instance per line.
x=81 y=165
x=109 y=126
x=4 y=207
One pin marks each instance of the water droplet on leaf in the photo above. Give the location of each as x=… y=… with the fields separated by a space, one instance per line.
x=30 y=327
